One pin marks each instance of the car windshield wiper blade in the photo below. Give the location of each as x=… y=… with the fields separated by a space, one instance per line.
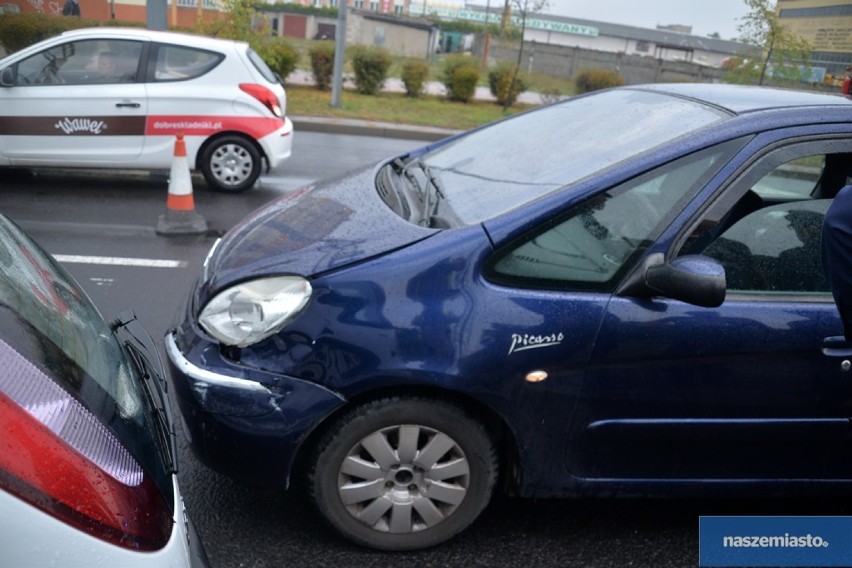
x=430 y=199
x=145 y=356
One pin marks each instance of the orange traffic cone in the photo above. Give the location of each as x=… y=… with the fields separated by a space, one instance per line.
x=180 y=217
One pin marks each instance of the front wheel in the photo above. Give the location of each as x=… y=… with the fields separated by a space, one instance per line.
x=231 y=163
x=403 y=473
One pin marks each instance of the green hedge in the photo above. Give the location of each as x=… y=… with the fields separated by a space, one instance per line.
x=18 y=31
x=464 y=83
x=322 y=63
x=461 y=74
x=500 y=83
x=279 y=54
x=370 y=65
x=588 y=80
x=414 y=75
x=296 y=9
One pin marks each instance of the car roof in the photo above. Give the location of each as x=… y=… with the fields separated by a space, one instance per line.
x=194 y=40
x=741 y=99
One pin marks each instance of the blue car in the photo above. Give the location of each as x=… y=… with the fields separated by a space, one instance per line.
x=616 y=295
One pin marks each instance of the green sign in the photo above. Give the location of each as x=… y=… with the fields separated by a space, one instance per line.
x=479 y=16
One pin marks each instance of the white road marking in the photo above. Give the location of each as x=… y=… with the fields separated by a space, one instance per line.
x=120 y=261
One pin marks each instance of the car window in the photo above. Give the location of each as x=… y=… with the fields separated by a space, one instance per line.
x=775 y=249
x=261 y=66
x=796 y=171
x=795 y=179
x=82 y=63
x=179 y=63
x=589 y=248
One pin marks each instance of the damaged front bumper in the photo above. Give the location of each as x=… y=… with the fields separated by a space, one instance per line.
x=244 y=422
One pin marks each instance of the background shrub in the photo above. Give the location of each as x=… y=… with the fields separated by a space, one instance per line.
x=370 y=65
x=458 y=84
x=500 y=83
x=414 y=75
x=322 y=63
x=464 y=83
x=279 y=55
x=21 y=30
x=588 y=80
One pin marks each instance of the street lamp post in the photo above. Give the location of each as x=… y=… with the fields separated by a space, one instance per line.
x=339 y=48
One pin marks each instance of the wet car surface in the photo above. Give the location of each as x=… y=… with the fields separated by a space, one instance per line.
x=573 y=302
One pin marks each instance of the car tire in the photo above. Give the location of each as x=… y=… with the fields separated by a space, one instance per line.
x=230 y=163
x=382 y=492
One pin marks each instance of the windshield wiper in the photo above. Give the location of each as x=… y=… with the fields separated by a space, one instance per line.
x=145 y=356
x=430 y=194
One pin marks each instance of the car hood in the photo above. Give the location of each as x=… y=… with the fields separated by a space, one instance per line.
x=312 y=230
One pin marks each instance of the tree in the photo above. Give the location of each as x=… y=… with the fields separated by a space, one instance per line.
x=776 y=48
x=237 y=21
x=524 y=9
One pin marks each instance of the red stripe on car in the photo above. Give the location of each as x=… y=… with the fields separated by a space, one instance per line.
x=256 y=127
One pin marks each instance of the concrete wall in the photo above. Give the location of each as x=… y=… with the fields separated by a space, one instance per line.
x=566 y=62
x=628 y=46
x=400 y=40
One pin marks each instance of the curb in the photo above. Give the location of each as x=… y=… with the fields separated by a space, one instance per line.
x=369 y=128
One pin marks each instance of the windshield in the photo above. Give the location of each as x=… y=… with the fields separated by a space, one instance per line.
x=498 y=168
x=47 y=318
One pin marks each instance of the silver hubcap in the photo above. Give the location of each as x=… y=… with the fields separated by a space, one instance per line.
x=404 y=479
x=231 y=164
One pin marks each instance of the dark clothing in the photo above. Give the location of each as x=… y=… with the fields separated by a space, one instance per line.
x=71 y=8
x=837 y=254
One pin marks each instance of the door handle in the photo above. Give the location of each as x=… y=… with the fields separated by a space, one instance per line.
x=838 y=348
x=128 y=105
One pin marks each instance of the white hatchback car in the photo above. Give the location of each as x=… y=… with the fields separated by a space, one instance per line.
x=87 y=442
x=117 y=98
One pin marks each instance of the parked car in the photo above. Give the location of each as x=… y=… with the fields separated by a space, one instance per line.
x=117 y=98
x=87 y=467
x=615 y=295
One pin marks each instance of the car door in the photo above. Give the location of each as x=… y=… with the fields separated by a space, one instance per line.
x=563 y=275
x=743 y=391
x=77 y=103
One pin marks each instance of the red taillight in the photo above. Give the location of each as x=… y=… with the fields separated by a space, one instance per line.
x=57 y=456
x=265 y=96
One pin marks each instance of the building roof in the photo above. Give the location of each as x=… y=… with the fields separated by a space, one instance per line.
x=660 y=37
x=396 y=19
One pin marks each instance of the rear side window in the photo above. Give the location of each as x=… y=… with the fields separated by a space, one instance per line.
x=261 y=66
x=179 y=63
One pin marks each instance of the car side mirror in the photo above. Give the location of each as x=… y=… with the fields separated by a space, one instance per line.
x=7 y=77
x=694 y=279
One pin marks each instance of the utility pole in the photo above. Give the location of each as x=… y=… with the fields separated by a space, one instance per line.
x=339 y=49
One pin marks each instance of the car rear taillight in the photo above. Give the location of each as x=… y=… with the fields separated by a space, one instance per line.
x=59 y=457
x=265 y=96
